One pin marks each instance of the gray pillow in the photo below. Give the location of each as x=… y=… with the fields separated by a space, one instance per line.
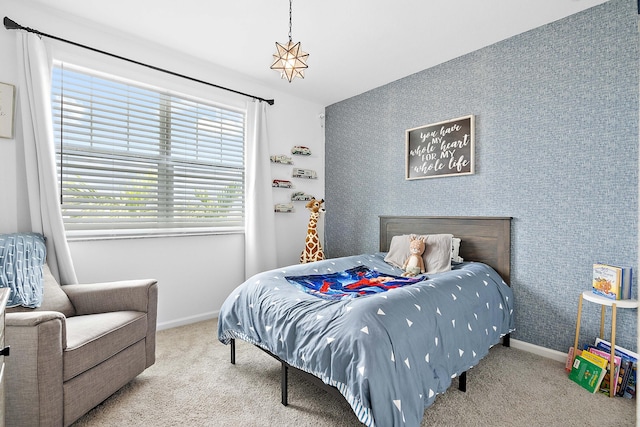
x=437 y=254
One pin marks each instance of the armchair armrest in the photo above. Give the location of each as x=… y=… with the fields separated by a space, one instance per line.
x=136 y=295
x=33 y=319
x=37 y=318
x=35 y=367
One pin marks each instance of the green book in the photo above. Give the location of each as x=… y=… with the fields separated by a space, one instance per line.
x=586 y=373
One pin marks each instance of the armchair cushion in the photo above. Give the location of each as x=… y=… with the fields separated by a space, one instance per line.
x=55 y=299
x=94 y=338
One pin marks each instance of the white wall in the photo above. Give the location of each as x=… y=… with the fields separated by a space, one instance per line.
x=195 y=273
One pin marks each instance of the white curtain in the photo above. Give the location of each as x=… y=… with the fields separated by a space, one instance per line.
x=34 y=88
x=260 y=234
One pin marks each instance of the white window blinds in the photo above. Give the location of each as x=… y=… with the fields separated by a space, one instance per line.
x=131 y=157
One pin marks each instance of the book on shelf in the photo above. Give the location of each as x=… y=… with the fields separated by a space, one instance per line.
x=588 y=371
x=612 y=281
x=605 y=387
x=627 y=276
x=628 y=357
x=607 y=281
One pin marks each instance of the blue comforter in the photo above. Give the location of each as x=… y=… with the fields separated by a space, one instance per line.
x=390 y=351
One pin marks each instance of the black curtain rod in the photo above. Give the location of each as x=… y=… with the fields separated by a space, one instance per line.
x=12 y=25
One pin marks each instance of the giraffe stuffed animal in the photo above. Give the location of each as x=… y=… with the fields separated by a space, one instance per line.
x=312 y=247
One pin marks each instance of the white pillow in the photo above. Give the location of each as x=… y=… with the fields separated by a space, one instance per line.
x=455 y=250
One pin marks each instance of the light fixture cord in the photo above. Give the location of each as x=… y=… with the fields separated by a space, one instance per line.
x=290 y=2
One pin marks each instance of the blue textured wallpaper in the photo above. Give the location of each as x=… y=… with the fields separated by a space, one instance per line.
x=556 y=143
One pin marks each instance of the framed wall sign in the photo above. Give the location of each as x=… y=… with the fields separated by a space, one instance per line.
x=7 y=102
x=440 y=149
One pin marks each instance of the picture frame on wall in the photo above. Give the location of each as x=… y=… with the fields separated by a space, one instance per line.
x=7 y=105
x=441 y=149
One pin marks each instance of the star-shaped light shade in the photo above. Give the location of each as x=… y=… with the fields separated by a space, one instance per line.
x=290 y=60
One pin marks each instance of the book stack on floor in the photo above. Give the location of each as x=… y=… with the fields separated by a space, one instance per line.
x=611 y=281
x=591 y=369
x=588 y=370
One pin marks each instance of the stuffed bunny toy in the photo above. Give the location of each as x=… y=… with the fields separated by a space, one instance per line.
x=414 y=264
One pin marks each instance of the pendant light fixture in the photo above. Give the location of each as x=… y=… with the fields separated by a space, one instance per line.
x=289 y=58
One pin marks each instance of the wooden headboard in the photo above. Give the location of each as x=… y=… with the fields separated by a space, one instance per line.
x=484 y=239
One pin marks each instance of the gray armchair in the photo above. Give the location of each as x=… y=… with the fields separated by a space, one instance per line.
x=80 y=346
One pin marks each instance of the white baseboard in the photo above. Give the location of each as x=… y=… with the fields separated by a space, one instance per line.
x=188 y=320
x=541 y=351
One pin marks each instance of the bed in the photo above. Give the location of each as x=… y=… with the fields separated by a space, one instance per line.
x=386 y=343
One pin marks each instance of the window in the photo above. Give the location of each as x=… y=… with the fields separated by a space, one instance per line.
x=132 y=157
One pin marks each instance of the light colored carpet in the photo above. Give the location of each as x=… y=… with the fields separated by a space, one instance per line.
x=193 y=384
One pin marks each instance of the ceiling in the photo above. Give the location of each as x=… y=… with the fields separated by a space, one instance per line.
x=353 y=45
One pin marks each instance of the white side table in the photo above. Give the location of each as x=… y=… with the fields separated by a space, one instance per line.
x=604 y=302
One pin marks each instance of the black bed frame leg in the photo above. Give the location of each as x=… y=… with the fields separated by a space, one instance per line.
x=233 y=351
x=283 y=386
x=462 y=382
x=462 y=379
x=506 y=340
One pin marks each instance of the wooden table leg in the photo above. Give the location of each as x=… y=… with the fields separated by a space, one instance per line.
x=612 y=354
x=575 y=342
